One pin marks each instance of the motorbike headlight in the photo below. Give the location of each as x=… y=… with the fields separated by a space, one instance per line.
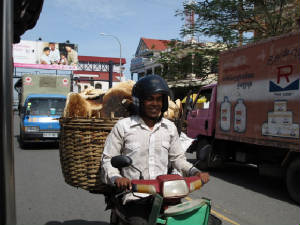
x=175 y=188
x=31 y=129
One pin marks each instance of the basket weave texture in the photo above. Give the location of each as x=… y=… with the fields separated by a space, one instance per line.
x=80 y=148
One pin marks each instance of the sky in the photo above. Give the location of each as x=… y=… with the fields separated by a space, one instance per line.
x=82 y=21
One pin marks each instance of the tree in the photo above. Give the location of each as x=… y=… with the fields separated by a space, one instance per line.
x=182 y=59
x=226 y=20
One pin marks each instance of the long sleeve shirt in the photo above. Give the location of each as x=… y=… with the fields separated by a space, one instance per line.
x=150 y=150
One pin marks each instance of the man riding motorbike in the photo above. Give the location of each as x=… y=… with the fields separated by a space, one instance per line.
x=151 y=141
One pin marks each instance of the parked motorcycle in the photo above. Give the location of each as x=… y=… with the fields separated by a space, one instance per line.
x=168 y=206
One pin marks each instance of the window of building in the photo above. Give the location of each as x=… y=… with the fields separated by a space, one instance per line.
x=157 y=70
x=149 y=71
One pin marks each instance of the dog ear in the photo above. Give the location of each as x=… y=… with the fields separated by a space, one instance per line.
x=129 y=106
x=77 y=106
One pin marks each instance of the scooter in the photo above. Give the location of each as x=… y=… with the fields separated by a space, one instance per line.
x=168 y=192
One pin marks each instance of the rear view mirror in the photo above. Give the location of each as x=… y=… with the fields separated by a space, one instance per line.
x=121 y=161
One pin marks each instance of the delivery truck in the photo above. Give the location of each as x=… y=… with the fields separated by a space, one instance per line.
x=42 y=100
x=251 y=115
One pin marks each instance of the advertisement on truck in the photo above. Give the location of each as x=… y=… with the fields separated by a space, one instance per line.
x=258 y=89
x=253 y=111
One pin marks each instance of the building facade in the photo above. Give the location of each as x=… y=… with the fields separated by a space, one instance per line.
x=143 y=63
x=94 y=72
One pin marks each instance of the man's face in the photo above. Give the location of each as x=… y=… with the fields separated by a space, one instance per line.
x=152 y=106
x=68 y=48
x=52 y=47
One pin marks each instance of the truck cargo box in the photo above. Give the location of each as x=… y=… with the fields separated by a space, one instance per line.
x=258 y=93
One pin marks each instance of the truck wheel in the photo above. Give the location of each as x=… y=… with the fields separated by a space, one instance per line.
x=292 y=180
x=114 y=220
x=204 y=165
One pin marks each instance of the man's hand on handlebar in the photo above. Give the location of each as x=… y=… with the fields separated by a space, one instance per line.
x=123 y=183
x=204 y=177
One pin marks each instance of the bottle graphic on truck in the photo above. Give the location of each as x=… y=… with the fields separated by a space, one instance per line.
x=240 y=116
x=225 y=114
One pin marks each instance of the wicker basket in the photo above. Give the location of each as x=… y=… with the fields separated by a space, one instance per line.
x=80 y=149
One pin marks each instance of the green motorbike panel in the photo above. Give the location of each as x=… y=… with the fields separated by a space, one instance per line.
x=194 y=212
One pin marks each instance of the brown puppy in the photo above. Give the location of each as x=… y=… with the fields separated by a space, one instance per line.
x=77 y=106
x=112 y=100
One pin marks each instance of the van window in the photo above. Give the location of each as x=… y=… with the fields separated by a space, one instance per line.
x=45 y=106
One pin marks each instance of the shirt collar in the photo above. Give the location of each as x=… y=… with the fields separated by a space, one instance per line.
x=137 y=120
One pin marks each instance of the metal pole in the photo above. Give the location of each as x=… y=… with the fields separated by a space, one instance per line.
x=111 y=66
x=7 y=178
x=116 y=38
x=120 y=64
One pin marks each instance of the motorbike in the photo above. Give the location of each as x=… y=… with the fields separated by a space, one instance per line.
x=168 y=205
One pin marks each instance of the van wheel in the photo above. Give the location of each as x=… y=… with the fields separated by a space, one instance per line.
x=292 y=180
x=203 y=164
x=22 y=143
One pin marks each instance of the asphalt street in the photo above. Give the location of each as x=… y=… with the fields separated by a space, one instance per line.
x=239 y=195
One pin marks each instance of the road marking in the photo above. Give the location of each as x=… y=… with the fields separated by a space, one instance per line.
x=218 y=214
x=223 y=217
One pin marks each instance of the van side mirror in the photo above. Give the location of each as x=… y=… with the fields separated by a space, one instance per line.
x=27 y=112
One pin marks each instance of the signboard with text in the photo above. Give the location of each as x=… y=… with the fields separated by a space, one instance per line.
x=45 y=55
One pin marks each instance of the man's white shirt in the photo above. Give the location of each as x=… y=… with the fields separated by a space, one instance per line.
x=45 y=58
x=150 y=150
x=54 y=55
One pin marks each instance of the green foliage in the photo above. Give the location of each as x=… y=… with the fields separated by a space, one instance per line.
x=183 y=59
x=226 y=19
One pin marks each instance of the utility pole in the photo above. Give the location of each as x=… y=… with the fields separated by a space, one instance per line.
x=7 y=178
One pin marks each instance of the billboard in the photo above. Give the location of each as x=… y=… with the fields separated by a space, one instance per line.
x=45 y=55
